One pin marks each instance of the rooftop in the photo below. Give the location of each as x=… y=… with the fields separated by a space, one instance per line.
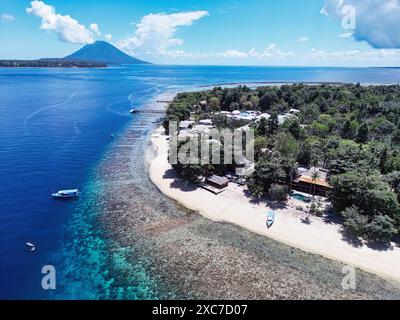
x=323 y=174
x=218 y=180
x=317 y=182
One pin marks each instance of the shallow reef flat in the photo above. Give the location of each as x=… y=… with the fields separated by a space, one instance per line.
x=189 y=257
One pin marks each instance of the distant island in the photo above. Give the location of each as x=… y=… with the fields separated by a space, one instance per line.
x=97 y=55
x=102 y=51
x=51 y=63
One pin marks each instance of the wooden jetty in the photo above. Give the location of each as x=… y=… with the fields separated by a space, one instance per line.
x=148 y=111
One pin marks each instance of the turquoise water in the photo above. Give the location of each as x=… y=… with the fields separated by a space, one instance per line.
x=55 y=127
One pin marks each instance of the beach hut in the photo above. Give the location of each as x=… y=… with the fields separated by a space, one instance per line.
x=206 y=122
x=294 y=111
x=217 y=181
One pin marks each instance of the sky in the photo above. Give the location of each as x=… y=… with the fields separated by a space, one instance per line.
x=214 y=32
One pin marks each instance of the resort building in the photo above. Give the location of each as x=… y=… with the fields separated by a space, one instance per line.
x=185 y=125
x=206 y=122
x=283 y=117
x=264 y=115
x=217 y=181
x=294 y=111
x=203 y=103
x=244 y=167
x=307 y=182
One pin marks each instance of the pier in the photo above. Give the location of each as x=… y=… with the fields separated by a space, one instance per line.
x=148 y=111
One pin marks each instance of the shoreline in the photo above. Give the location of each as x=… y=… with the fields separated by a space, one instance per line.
x=233 y=207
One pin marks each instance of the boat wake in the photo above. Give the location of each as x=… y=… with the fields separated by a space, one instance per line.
x=39 y=111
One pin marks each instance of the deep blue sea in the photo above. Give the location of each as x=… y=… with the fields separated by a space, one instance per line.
x=55 y=127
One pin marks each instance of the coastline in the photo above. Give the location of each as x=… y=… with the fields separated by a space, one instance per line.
x=233 y=207
x=159 y=248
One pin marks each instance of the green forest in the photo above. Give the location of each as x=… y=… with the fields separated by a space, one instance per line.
x=351 y=130
x=51 y=63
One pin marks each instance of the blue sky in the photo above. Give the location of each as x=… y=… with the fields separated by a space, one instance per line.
x=228 y=32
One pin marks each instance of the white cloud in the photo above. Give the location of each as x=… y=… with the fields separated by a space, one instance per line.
x=155 y=32
x=5 y=17
x=231 y=53
x=377 y=21
x=361 y=57
x=68 y=29
x=108 y=37
x=272 y=55
x=270 y=52
x=184 y=54
x=303 y=39
x=95 y=28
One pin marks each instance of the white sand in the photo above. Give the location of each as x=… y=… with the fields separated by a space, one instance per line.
x=234 y=207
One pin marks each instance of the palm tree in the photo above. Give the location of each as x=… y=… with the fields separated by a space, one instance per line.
x=315 y=175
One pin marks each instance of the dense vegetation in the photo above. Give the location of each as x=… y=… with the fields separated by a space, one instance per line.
x=352 y=130
x=50 y=63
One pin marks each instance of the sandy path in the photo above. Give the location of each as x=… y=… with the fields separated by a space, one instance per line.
x=233 y=207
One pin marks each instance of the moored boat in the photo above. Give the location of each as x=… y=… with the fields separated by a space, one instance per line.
x=31 y=246
x=65 y=194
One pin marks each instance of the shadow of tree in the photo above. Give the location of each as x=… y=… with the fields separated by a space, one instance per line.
x=306 y=220
x=379 y=245
x=179 y=183
x=170 y=174
x=352 y=240
x=183 y=185
x=276 y=205
x=330 y=217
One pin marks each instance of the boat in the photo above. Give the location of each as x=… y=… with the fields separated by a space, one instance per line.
x=65 y=194
x=31 y=246
x=270 y=218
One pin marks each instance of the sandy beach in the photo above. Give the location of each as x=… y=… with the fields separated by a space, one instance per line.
x=232 y=206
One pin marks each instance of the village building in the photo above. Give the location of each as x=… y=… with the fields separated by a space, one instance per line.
x=206 y=122
x=309 y=183
x=185 y=125
x=294 y=111
x=217 y=181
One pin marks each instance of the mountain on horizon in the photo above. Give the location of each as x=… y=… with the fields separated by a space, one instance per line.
x=102 y=51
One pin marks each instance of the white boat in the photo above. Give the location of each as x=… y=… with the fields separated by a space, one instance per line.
x=270 y=218
x=31 y=246
x=65 y=194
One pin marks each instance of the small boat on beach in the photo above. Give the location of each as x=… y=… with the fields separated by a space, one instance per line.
x=66 y=194
x=270 y=218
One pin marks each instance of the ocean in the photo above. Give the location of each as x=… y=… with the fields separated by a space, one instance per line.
x=55 y=133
